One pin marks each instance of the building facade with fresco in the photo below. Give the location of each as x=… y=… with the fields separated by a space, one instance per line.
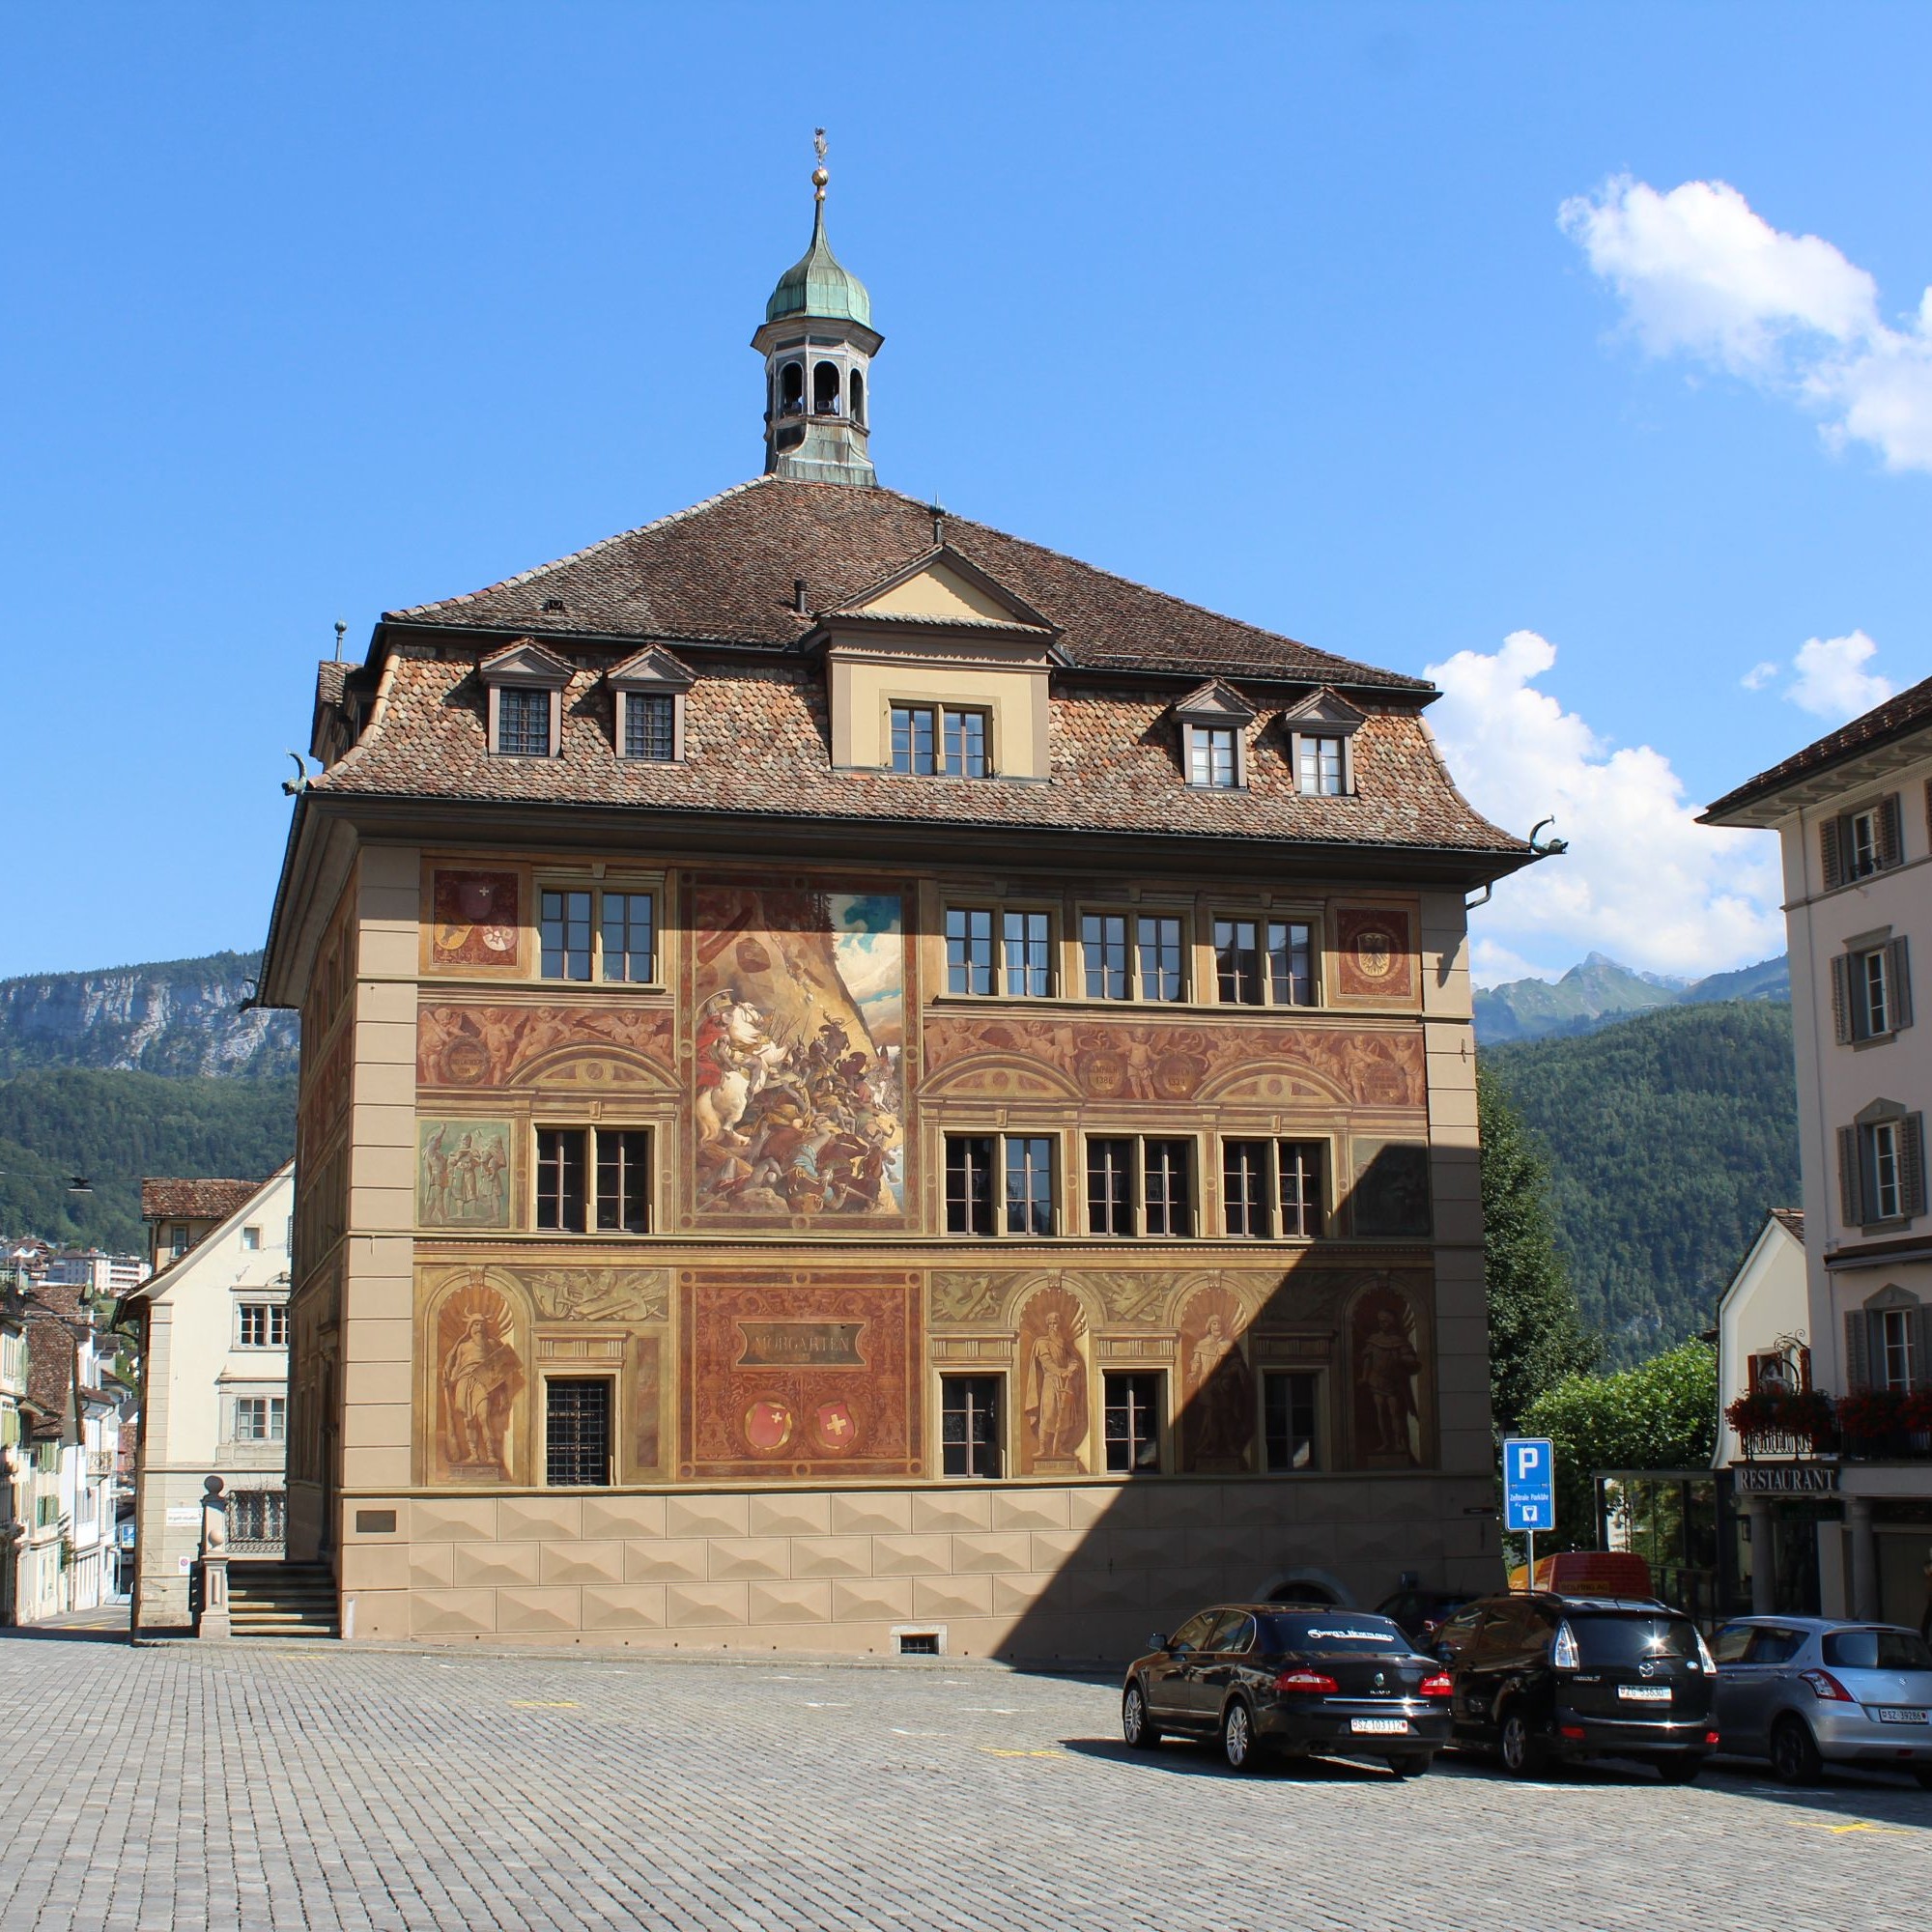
x=866 y=1085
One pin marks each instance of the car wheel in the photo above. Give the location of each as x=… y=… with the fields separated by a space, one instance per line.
x=1238 y=1745
x=1412 y=1766
x=1794 y=1753
x=1137 y=1725
x=1681 y=1769
x=1524 y=1755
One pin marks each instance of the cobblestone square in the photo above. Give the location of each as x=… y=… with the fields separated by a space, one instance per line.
x=262 y=1786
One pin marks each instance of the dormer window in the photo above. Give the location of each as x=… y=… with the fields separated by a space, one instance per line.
x=939 y=740
x=526 y=686
x=523 y=724
x=1212 y=755
x=1318 y=767
x=1213 y=721
x=1320 y=745
x=649 y=691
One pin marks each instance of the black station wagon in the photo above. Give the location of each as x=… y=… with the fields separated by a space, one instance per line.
x=1262 y=1678
x=1542 y=1678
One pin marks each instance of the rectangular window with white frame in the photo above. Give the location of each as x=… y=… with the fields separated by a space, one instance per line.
x=1871 y=989
x=1263 y=962
x=1131 y=1405
x=1856 y=844
x=1882 y=1166
x=999 y=951
x=1001 y=1184
x=523 y=722
x=1292 y=1420
x=1141 y=1185
x=941 y=741
x=1322 y=765
x=604 y=933
x=971 y=1430
x=594 y=1179
x=264 y=1324
x=1127 y=955
x=261 y=1418
x=1273 y=1188
x=1213 y=756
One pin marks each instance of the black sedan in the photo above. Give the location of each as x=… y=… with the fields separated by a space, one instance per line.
x=1260 y=1678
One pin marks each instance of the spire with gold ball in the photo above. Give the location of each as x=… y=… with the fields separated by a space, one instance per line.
x=818 y=343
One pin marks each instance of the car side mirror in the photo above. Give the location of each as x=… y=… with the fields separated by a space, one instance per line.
x=1158 y=1640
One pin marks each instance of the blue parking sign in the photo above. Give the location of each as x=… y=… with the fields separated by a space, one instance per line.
x=1529 y=1482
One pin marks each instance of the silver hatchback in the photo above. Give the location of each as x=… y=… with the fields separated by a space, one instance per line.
x=1808 y=1691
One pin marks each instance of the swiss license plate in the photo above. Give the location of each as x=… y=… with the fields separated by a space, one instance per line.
x=1645 y=1694
x=1897 y=1714
x=1381 y=1727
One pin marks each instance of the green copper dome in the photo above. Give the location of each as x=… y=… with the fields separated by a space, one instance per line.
x=816 y=284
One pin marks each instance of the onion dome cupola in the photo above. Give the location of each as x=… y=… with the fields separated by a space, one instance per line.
x=818 y=343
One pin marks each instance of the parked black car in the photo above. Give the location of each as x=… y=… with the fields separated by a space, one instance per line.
x=1265 y=1677
x=1544 y=1678
x=1421 y=1613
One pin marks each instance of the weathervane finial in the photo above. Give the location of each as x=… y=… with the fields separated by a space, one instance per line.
x=820 y=175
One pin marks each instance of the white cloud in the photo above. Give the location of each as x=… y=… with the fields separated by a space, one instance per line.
x=1758 y=676
x=1494 y=964
x=1701 y=274
x=1831 y=681
x=1641 y=881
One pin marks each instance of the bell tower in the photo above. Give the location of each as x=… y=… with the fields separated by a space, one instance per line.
x=818 y=343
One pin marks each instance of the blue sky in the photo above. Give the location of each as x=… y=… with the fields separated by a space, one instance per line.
x=317 y=311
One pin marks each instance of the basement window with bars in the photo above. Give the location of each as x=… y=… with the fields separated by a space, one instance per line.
x=593 y=1180
x=576 y=1432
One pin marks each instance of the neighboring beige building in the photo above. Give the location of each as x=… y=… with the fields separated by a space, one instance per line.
x=214 y=1378
x=1764 y=1324
x=868 y=1085
x=1854 y=811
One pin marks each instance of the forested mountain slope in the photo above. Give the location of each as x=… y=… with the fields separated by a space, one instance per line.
x=1669 y=1136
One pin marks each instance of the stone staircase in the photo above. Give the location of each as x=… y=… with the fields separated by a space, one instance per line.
x=291 y=1599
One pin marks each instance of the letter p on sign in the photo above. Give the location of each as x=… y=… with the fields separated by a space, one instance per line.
x=1529 y=1487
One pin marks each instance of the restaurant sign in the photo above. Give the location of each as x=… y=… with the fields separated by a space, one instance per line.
x=1785 y=1479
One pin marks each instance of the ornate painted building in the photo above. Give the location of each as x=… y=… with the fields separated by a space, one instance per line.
x=868 y=1085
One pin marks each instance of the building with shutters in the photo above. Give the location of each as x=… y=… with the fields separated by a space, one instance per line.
x=866 y=1084
x=1853 y=813
x=213 y=1323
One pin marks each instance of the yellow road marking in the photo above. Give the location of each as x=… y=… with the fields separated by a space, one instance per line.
x=538 y=1704
x=992 y=1750
x=1862 y=1825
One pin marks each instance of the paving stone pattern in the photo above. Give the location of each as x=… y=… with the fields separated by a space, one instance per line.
x=261 y=1787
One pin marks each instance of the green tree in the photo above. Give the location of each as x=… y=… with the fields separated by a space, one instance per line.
x=1661 y=1415
x=1536 y=1330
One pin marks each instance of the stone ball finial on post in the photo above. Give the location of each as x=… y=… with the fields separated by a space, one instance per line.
x=213 y=1619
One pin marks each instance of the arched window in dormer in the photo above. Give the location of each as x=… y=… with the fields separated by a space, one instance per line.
x=858 y=398
x=825 y=390
x=791 y=388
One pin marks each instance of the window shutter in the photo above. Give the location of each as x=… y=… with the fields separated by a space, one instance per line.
x=1857 y=1354
x=1842 y=998
x=1832 y=845
x=1805 y=1370
x=1922 y=1349
x=1851 y=1195
x=1912 y=1163
x=1891 y=844
x=1899 y=971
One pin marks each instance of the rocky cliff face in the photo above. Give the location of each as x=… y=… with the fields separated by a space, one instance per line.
x=181 y=1018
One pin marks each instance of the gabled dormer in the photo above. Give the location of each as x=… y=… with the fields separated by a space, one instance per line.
x=939 y=671
x=648 y=690
x=525 y=685
x=1213 y=720
x=1320 y=744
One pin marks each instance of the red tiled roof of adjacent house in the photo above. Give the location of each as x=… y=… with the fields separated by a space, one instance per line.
x=724 y=571
x=50 y=1364
x=1897 y=716
x=1791 y=1220
x=66 y=1300
x=193 y=1200
x=757 y=740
